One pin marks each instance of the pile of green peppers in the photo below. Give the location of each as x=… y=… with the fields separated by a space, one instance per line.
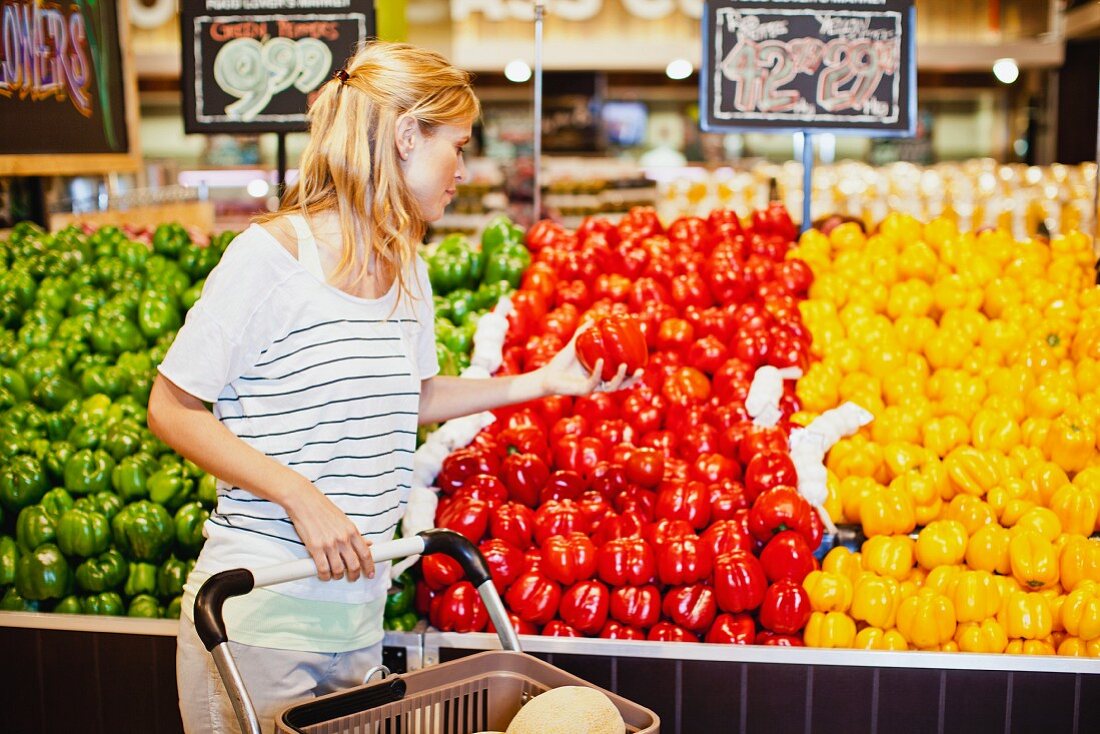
x=468 y=280
x=97 y=515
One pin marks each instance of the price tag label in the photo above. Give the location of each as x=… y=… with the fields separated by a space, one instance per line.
x=842 y=65
x=257 y=72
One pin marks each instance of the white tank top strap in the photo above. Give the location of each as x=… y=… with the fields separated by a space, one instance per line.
x=307 y=247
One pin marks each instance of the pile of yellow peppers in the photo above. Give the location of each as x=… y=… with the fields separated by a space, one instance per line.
x=978 y=482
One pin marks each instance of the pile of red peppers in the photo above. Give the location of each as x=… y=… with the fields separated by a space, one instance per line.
x=660 y=512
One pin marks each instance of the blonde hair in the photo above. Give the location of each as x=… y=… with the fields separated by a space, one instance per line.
x=350 y=163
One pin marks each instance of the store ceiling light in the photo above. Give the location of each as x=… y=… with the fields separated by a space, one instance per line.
x=1006 y=70
x=258 y=188
x=679 y=69
x=517 y=71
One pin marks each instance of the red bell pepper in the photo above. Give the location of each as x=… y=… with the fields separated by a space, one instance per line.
x=786 y=607
x=688 y=501
x=596 y=407
x=732 y=629
x=533 y=597
x=609 y=478
x=616 y=340
x=728 y=536
x=645 y=291
x=644 y=413
x=524 y=476
x=637 y=606
x=769 y=470
x=686 y=385
x=543 y=233
x=584 y=606
x=683 y=561
x=645 y=467
x=521 y=626
x=538 y=350
x=486 y=487
x=626 y=562
x=579 y=454
x=568 y=425
x=693 y=607
x=774 y=639
x=595 y=508
x=755 y=440
x=614 y=630
x=563 y=484
x=558 y=517
x=774 y=221
x=463 y=464
x=783 y=508
x=713 y=467
x=659 y=533
x=467 y=516
x=739 y=582
x=669 y=632
x=572 y=292
x=701 y=438
x=623 y=525
x=707 y=354
x=568 y=559
x=787 y=556
x=726 y=499
x=505 y=562
x=513 y=523
x=675 y=335
x=523 y=439
x=637 y=501
x=558 y=628
x=614 y=431
x=613 y=286
x=440 y=571
x=532 y=560
x=460 y=609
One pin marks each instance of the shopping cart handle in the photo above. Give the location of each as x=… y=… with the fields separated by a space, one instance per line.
x=459 y=548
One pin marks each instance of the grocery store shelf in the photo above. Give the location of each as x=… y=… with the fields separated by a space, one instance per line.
x=90 y=623
x=1083 y=22
x=433 y=641
x=1028 y=54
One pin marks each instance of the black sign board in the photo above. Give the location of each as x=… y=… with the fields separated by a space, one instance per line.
x=250 y=66
x=809 y=65
x=66 y=88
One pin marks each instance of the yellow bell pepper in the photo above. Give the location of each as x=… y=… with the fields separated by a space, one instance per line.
x=1081 y=611
x=887 y=512
x=817 y=389
x=944 y=434
x=1079 y=561
x=1026 y=615
x=946 y=350
x=1041 y=520
x=830 y=629
x=972 y=471
x=1087 y=373
x=927 y=619
x=987 y=550
x=1045 y=401
x=977 y=596
x=1077 y=509
x=903 y=457
x=1057 y=599
x=972 y=512
x=842 y=561
x=1034 y=430
x=941 y=543
x=888 y=555
x=1034 y=561
x=896 y=423
x=873 y=638
x=833 y=505
x=1029 y=647
x=1071 y=442
x=1086 y=343
x=999 y=497
x=875 y=600
x=985 y=636
x=1022 y=457
x=828 y=591
x=855 y=456
x=1044 y=480
x=1014 y=510
x=1073 y=647
x=855 y=492
x=994 y=431
x=942 y=579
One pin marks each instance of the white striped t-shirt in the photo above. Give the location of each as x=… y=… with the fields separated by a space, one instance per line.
x=322 y=381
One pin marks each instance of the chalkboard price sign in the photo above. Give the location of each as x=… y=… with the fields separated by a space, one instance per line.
x=837 y=66
x=250 y=66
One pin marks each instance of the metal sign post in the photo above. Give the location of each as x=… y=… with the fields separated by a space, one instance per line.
x=807 y=177
x=536 y=150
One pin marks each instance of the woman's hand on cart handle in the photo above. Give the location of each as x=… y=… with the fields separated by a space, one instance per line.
x=329 y=535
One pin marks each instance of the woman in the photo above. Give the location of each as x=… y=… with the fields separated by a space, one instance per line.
x=314 y=342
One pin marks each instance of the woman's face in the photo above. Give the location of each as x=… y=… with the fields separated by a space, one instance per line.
x=433 y=166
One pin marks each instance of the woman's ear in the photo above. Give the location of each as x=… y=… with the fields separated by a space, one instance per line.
x=405 y=132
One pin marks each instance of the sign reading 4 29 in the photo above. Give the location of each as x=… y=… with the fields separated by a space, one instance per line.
x=256 y=72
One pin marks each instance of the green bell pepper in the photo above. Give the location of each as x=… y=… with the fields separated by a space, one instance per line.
x=170 y=239
x=146 y=606
x=60 y=423
x=9 y=559
x=157 y=314
x=446 y=359
x=13 y=601
x=191 y=296
x=122 y=439
x=116 y=335
x=43 y=574
x=39 y=364
x=451 y=265
x=461 y=302
x=22 y=482
x=54 y=391
x=56 y=502
x=88 y=470
x=84 y=437
x=140 y=387
x=399 y=600
x=130 y=477
x=171 y=577
x=401 y=623
x=83 y=533
x=105 y=503
x=14 y=381
x=37 y=334
x=172 y=611
x=142 y=579
x=143 y=530
x=110 y=380
x=85 y=299
x=132 y=254
x=106 y=603
x=106 y=571
x=500 y=230
x=207 y=490
x=189 y=522
x=168 y=279
x=170 y=486
x=508 y=262
x=69 y=605
x=35 y=526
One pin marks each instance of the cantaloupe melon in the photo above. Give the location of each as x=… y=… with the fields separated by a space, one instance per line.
x=568 y=710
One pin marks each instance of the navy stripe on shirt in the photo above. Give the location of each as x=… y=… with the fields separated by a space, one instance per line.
x=334 y=441
x=319 y=405
x=321 y=423
x=311 y=345
x=314 y=386
x=349 y=457
x=307 y=368
x=296 y=540
x=282 y=339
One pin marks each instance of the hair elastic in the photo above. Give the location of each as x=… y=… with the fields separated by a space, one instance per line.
x=340 y=74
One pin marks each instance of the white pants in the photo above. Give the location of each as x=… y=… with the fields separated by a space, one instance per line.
x=275 y=679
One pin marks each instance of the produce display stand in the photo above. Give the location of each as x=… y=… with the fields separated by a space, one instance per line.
x=104 y=674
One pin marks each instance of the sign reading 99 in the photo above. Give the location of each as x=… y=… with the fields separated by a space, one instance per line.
x=254 y=71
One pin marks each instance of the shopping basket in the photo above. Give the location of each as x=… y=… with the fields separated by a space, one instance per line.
x=481 y=692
